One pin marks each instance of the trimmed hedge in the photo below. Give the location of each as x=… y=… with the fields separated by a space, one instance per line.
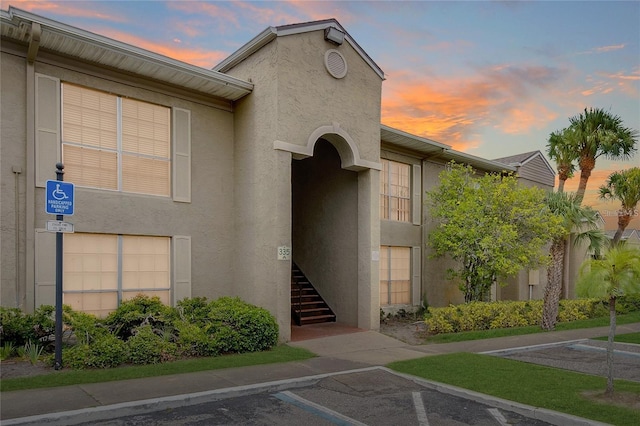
x=503 y=314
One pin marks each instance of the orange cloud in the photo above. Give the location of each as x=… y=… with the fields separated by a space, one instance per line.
x=65 y=8
x=200 y=57
x=454 y=110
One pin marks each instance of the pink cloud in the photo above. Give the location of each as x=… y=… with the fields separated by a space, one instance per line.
x=200 y=57
x=605 y=49
x=66 y=8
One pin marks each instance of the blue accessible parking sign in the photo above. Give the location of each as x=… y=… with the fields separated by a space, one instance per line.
x=60 y=197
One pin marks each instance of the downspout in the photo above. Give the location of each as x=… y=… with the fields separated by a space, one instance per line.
x=16 y=171
x=34 y=45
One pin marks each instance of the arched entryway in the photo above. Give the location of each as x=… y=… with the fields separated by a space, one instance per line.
x=325 y=228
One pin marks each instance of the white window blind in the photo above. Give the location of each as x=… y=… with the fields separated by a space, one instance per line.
x=115 y=143
x=395 y=275
x=395 y=188
x=100 y=270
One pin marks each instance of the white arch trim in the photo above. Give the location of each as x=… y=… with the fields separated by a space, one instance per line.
x=339 y=138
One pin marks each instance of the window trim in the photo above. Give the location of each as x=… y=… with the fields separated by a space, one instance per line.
x=386 y=196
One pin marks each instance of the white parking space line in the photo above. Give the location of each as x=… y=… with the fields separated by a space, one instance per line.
x=421 y=413
x=318 y=410
x=498 y=416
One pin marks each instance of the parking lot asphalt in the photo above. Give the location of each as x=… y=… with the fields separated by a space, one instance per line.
x=339 y=354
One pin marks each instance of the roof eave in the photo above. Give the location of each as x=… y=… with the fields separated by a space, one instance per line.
x=234 y=88
x=430 y=149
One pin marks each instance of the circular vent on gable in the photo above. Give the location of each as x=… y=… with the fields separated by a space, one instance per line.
x=335 y=63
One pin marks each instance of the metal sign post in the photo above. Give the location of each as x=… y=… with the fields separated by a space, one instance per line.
x=59 y=201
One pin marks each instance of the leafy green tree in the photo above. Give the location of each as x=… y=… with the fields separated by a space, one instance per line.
x=560 y=150
x=615 y=274
x=625 y=187
x=490 y=224
x=597 y=133
x=573 y=218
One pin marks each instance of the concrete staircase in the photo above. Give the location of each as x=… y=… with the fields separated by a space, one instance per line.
x=307 y=306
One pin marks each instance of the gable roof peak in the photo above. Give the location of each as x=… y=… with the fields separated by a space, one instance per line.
x=271 y=33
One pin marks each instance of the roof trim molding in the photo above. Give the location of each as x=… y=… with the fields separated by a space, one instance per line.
x=235 y=88
x=272 y=33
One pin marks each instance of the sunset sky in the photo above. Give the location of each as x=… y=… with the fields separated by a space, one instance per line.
x=491 y=79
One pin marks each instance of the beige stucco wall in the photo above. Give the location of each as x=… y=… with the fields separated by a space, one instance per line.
x=439 y=290
x=293 y=97
x=210 y=213
x=12 y=157
x=308 y=96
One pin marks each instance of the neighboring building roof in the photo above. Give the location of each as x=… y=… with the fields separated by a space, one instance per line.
x=271 y=33
x=432 y=149
x=532 y=166
x=626 y=234
x=46 y=34
x=519 y=160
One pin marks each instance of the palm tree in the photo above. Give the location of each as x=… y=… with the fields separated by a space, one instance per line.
x=623 y=186
x=583 y=220
x=563 y=153
x=599 y=133
x=616 y=274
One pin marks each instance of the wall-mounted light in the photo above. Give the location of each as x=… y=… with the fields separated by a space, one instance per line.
x=334 y=35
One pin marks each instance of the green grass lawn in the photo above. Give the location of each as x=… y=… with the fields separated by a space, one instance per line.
x=624 y=338
x=530 y=384
x=65 y=377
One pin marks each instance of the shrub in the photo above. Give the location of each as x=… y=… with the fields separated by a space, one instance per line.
x=194 y=340
x=626 y=303
x=147 y=347
x=104 y=351
x=238 y=326
x=490 y=315
x=20 y=328
x=193 y=310
x=138 y=311
x=85 y=327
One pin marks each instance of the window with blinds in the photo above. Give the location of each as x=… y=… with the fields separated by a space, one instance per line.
x=101 y=270
x=115 y=143
x=395 y=275
x=395 y=191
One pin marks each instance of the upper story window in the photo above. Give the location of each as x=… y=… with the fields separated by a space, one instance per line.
x=115 y=143
x=395 y=191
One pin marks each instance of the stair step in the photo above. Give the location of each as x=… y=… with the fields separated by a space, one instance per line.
x=317 y=319
x=307 y=306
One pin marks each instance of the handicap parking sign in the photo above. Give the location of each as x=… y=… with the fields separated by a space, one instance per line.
x=60 y=197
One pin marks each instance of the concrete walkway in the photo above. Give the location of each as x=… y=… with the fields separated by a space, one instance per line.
x=343 y=352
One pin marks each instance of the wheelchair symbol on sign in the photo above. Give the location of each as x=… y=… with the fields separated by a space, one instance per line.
x=58 y=193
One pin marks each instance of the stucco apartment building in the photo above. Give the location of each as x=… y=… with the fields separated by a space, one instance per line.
x=196 y=182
